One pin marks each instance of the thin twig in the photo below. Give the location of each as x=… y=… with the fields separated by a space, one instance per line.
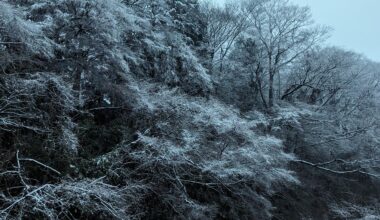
x=41 y=164
x=19 y=171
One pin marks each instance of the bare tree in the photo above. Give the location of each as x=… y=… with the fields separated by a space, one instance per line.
x=225 y=24
x=285 y=32
x=317 y=71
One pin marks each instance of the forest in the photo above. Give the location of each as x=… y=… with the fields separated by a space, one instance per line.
x=183 y=109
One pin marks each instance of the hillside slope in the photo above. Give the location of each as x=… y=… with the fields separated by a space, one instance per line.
x=126 y=110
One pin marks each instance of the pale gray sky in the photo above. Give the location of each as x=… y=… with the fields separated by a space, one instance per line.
x=355 y=23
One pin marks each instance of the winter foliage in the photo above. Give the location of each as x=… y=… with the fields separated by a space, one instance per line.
x=178 y=109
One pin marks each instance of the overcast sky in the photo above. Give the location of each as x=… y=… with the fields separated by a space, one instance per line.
x=355 y=23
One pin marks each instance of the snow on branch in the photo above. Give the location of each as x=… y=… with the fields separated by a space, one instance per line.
x=340 y=172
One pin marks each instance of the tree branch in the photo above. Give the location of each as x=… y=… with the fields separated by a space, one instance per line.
x=340 y=172
x=41 y=164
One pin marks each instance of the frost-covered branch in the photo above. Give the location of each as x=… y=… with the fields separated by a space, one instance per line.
x=340 y=172
x=41 y=164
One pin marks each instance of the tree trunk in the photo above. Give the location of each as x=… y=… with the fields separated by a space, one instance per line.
x=77 y=87
x=278 y=86
x=260 y=88
x=270 y=92
x=221 y=60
